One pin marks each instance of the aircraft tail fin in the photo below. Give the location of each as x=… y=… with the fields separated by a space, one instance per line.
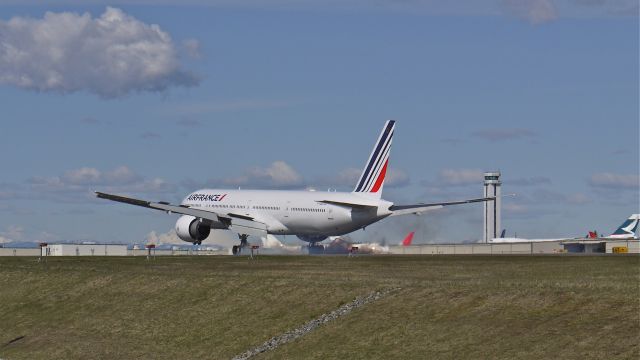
x=628 y=228
x=407 y=240
x=372 y=179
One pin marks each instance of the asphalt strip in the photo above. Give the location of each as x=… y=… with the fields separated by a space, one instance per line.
x=308 y=327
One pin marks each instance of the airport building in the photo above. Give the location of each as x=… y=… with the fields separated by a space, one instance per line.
x=479 y=249
x=594 y=246
x=622 y=246
x=578 y=246
x=84 y=250
x=6 y=251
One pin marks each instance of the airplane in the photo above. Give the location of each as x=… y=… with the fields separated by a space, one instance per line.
x=311 y=216
x=625 y=231
x=343 y=245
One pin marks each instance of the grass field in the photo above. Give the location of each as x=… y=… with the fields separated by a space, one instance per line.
x=562 y=307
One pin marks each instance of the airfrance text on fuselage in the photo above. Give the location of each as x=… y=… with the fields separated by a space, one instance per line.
x=206 y=197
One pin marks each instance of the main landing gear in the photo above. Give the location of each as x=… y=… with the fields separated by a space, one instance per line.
x=243 y=243
x=315 y=249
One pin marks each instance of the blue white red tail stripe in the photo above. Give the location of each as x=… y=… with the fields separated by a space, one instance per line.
x=375 y=155
x=373 y=175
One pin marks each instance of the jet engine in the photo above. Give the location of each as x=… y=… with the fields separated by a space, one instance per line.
x=312 y=238
x=192 y=230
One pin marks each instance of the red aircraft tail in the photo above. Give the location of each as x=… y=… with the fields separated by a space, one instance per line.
x=408 y=239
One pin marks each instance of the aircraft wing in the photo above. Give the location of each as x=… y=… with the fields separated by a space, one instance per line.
x=236 y=222
x=418 y=209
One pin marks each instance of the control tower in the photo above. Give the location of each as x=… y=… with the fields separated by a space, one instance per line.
x=492 y=214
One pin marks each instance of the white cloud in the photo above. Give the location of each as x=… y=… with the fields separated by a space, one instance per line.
x=281 y=175
x=13 y=233
x=531 y=10
x=192 y=48
x=515 y=208
x=397 y=179
x=278 y=174
x=535 y=11
x=121 y=175
x=545 y=196
x=348 y=177
x=169 y=237
x=577 y=199
x=505 y=134
x=111 y=55
x=186 y=122
x=93 y=176
x=615 y=181
x=83 y=175
x=531 y=181
x=149 y=135
x=78 y=185
x=461 y=177
x=217 y=106
x=4 y=240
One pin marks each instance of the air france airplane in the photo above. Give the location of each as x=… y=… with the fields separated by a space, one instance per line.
x=311 y=216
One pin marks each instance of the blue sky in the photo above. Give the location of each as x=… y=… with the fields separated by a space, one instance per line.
x=288 y=95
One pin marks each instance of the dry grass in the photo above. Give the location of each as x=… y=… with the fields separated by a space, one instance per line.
x=217 y=307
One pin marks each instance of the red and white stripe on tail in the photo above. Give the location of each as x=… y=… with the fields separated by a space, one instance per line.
x=372 y=178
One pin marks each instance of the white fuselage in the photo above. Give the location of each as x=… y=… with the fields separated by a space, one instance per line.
x=304 y=213
x=521 y=240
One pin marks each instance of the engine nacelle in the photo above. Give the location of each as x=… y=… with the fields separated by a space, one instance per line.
x=191 y=230
x=312 y=238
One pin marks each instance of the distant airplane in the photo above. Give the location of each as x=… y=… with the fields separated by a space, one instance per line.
x=311 y=216
x=343 y=245
x=625 y=231
x=407 y=240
